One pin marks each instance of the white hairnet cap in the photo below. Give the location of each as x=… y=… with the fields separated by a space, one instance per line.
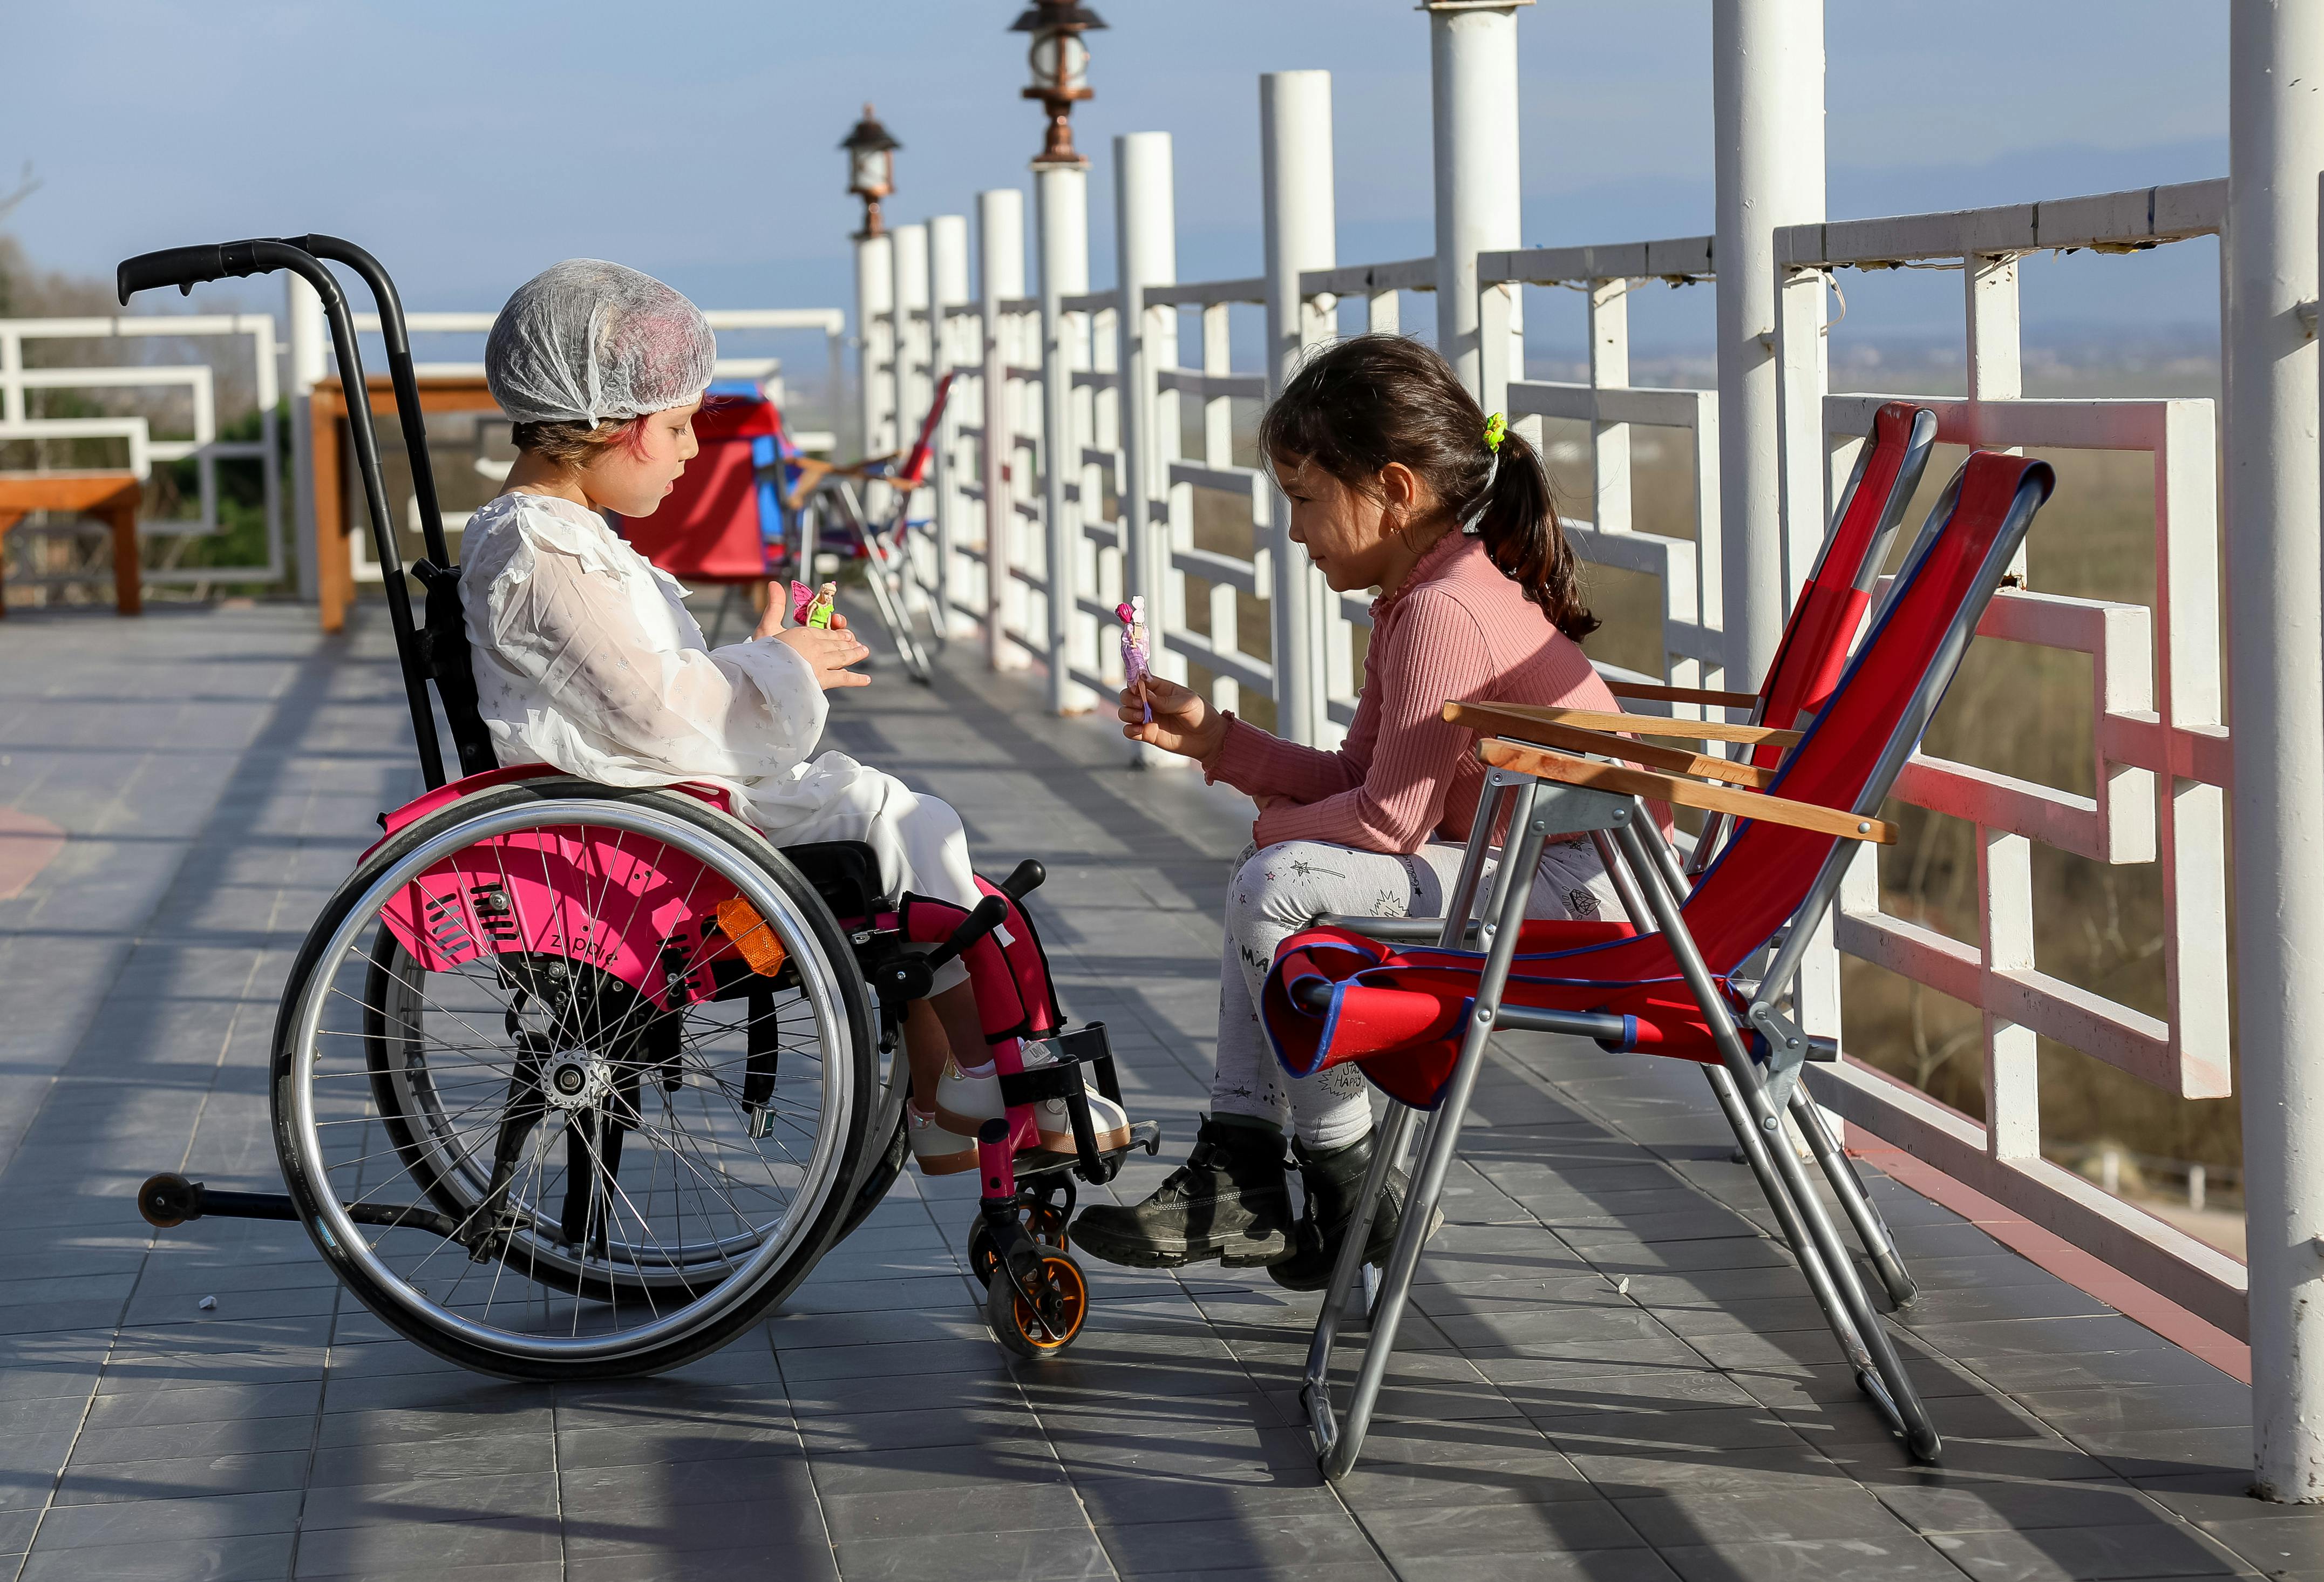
x=588 y=341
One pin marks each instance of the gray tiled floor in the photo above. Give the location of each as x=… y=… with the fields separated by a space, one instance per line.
x=217 y=769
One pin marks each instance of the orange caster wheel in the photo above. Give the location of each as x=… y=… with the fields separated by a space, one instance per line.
x=1036 y=1310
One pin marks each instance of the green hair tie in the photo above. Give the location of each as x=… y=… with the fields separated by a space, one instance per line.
x=1472 y=519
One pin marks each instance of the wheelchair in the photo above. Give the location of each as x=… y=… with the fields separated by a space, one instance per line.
x=574 y=1082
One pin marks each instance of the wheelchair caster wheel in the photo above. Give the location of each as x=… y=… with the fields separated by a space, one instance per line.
x=1047 y=1323
x=1045 y=1222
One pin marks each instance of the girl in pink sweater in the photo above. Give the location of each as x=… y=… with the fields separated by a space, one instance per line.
x=1397 y=482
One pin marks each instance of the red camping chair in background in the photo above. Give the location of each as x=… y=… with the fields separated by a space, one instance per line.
x=726 y=523
x=1676 y=981
x=878 y=548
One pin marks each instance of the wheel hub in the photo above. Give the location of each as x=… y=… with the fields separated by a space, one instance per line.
x=575 y=1080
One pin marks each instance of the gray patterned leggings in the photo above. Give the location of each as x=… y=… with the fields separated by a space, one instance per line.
x=1277 y=891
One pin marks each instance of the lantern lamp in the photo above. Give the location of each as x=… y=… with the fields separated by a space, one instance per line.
x=1060 y=63
x=870 y=152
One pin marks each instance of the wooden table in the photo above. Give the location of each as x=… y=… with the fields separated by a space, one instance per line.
x=113 y=496
x=335 y=580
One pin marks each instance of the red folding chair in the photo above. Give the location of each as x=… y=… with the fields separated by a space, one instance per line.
x=1417 y=1020
x=1807 y=665
x=725 y=523
x=880 y=548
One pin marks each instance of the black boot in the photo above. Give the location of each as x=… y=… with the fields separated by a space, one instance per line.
x=1335 y=1183
x=1231 y=1200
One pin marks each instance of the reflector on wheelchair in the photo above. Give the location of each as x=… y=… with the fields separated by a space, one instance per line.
x=741 y=924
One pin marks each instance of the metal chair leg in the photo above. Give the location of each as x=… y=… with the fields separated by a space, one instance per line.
x=883 y=600
x=1848 y=1188
x=1755 y=1154
x=1893 y=1391
x=1389 y=1149
x=1338 y=1444
x=1845 y=1184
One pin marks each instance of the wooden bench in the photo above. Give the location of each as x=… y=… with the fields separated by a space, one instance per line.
x=114 y=496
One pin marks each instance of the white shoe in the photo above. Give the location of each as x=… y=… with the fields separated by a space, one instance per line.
x=938 y=1152
x=1108 y=1119
x=1055 y=1119
x=964 y=1102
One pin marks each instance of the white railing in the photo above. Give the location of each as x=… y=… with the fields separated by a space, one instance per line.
x=830 y=322
x=2162 y=749
x=2161 y=745
x=198 y=381
x=1693 y=646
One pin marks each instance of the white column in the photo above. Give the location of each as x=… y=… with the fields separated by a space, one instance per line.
x=948 y=283
x=1146 y=243
x=915 y=350
x=875 y=334
x=1472 y=52
x=914 y=343
x=1295 y=136
x=308 y=340
x=999 y=278
x=1768 y=127
x=2275 y=658
x=1061 y=220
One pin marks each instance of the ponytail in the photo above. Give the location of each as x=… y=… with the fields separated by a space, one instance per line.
x=1512 y=513
x=1370 y=400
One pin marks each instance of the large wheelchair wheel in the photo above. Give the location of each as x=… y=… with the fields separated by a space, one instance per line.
x=603 y=1179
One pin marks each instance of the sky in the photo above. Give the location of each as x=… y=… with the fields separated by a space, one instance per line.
x=470 y=144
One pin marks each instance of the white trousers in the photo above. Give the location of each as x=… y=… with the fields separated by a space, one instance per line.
x=1277 y=891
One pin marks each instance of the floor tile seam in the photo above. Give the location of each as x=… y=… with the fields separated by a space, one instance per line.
x=1564 y=1093
x=80 y=1427
x=315 y=1434
x=167 y=884
x=791 y=1411
x=1089 y=1521
x=129 y=1298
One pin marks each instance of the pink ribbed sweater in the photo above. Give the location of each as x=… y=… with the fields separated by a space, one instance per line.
x=1457 y=630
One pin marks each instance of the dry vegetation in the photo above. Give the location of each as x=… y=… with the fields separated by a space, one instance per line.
x=2021 y=711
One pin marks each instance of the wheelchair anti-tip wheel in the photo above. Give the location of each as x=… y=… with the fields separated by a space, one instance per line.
x=632 y=1131
x=1039 y=1305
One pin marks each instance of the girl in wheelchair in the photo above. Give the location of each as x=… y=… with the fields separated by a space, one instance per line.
x=587 y=658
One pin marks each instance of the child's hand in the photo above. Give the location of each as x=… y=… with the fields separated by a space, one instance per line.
x=828 y=651
x=1183 y=721
x=770 y=619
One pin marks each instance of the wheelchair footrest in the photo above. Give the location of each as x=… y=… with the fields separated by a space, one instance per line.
x=1034 y=1164
x=1059 y=1073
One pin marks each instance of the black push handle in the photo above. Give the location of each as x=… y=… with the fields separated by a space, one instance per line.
x=1024 y=878
x=401 y=373
x=185 y=267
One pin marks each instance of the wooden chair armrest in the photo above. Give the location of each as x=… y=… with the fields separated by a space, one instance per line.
x=1491 y=719
x=1635 y=724
x=1547 y=764
x=1654 y=692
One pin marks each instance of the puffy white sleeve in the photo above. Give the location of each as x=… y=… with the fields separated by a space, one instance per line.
x=570 y=672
